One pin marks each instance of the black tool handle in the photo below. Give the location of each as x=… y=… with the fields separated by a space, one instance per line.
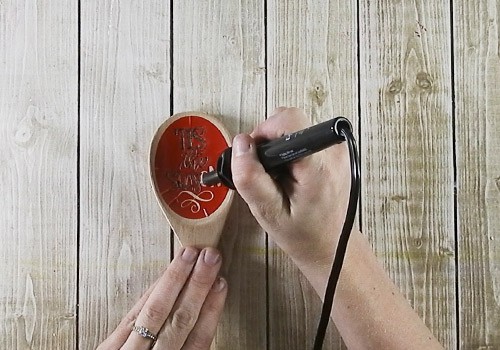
x=275 y=154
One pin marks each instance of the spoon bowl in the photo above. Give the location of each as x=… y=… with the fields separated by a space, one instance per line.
x=184 y=147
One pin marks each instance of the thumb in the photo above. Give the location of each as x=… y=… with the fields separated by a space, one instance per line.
x=254 y=185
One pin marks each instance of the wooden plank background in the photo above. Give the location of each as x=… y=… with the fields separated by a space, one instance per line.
x=84 y=84
x=408 y=196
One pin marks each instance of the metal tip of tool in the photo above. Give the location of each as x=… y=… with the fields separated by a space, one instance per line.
x=209 y=179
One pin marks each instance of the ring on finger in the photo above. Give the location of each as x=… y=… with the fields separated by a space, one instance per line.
x=144 y=332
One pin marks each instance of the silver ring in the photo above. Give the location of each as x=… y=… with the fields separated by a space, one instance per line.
x=144 y=332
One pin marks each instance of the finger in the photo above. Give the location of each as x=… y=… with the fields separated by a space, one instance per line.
x=255 y=186
x=186 y=310
x=286 y=121
x=203 y=333
x=159 y=304
x=122 y=332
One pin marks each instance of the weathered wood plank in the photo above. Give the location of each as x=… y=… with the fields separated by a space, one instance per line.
x=477 y=71
x=125 y=95
x=219 y=69
x=312 y=64
x=38 y=162
x=407 y=152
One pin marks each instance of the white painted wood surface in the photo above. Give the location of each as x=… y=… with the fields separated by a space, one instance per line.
x=84 y=85
x=407 y=153
x=477 y=73
x=38 y=174
x=125 y=89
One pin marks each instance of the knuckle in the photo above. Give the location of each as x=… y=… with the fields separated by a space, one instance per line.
x=202 y=280
x=129 y=321
x=296 y=111
x=155 y=314
x=278 y=110
x=246 y=172
x=268 y=212
x=184 y=319
x=200 y=342
x=244 y=177
x=176 y=275
x=297 y=118
x=216 y=305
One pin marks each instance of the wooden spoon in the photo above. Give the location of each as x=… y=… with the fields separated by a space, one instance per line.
x=185 y=146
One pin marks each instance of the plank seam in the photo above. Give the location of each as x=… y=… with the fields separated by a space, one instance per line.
x=360 y=150
x=78 y=174
x=266 y=97
x=455 y=192
x=171 y=59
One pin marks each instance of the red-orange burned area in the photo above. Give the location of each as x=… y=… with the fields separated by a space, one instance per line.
x=189 y=146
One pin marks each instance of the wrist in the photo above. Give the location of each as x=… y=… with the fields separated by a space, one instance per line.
x=316 y=266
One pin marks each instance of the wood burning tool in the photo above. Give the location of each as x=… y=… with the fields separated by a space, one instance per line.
x=275 y=154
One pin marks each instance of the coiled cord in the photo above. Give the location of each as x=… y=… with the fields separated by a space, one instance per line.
x=343 y=239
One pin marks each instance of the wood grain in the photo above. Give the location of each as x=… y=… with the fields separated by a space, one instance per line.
x=312 y=64
x=125 y=89
x=407 y=152
x=219 y=69
x=38 y=162
x=477 y=70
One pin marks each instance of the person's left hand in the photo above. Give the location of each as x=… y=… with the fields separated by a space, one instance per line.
x=181 y=309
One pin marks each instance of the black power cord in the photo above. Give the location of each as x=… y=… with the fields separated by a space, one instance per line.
x=346 y=132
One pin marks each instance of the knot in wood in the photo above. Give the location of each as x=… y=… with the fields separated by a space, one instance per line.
x=318 y=94
x=230 y=40
x=395 y=86
x=418 y=243
x=28 y=127
x=259 y=71
x=424 y=80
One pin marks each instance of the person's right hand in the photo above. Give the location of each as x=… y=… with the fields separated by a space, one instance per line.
x=304 y=211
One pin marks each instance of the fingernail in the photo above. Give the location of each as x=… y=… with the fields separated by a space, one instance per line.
x=189 y=254
x=240 y=145
x=211 y=257
x=219 y=285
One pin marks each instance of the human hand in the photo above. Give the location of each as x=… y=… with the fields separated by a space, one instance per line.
x=304 y=211
x=181 y=309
